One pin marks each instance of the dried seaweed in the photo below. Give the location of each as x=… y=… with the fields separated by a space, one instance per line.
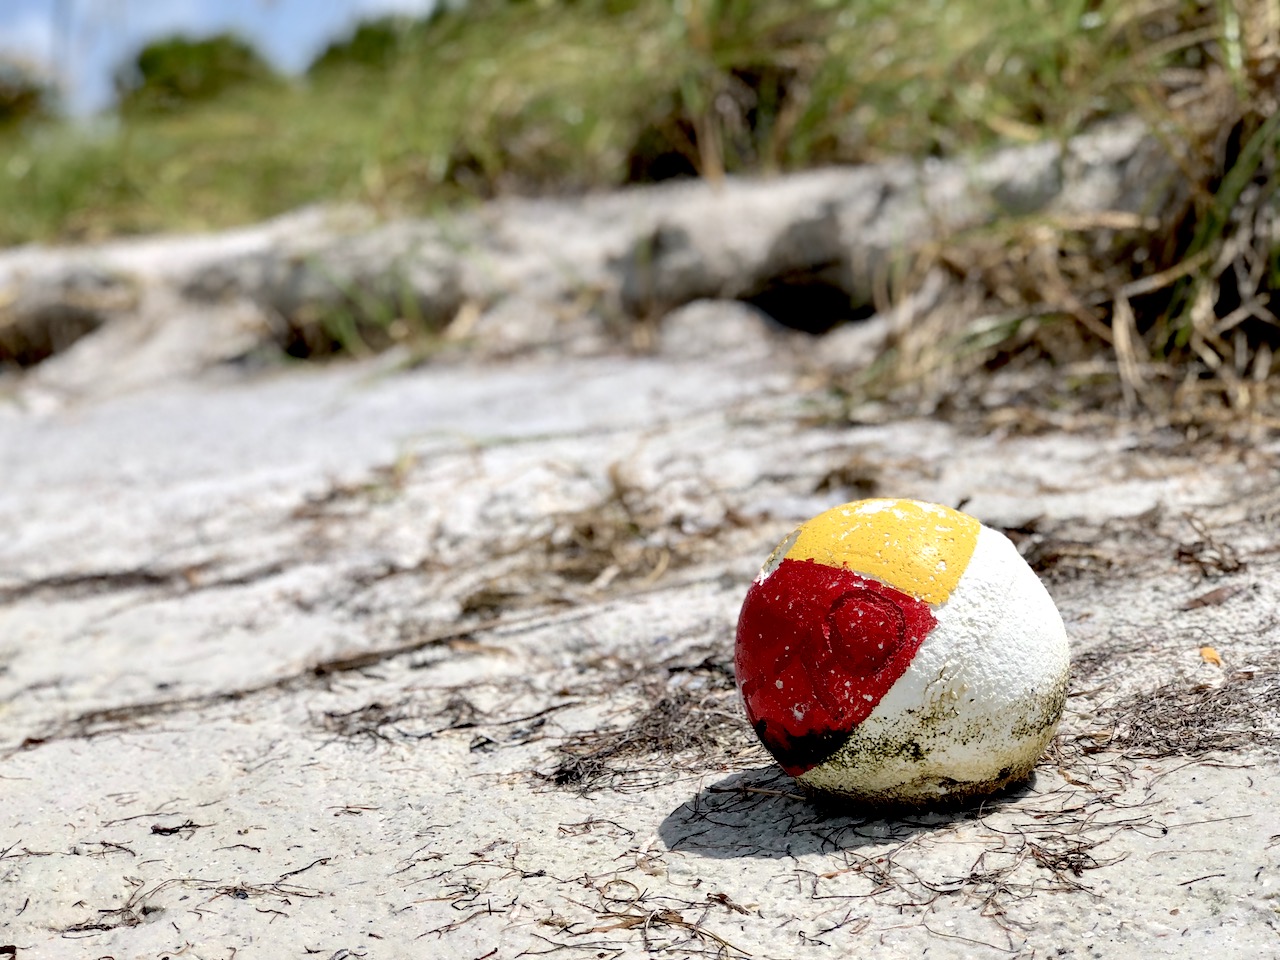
x=1183 y=718
x=695 y=727
x=137 y=907
x=625 y=538
x=1040 y=838
x=1080 y=550
x=689 y=709
x=416 y=718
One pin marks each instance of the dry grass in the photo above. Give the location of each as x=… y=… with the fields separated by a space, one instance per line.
x=1171 y=315
x=1184 y=718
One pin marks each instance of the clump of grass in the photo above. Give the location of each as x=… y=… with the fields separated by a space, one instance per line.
x=497 y=97
x=1173 y=314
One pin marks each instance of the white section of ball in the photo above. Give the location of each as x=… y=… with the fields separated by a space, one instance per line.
x=979 y=702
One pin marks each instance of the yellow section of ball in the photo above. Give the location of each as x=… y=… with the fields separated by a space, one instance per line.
x=916 y=547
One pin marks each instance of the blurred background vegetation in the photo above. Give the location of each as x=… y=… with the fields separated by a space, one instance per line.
x=549 y=96
x=556 y=95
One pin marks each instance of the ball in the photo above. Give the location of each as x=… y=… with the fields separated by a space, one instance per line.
x=899 y=653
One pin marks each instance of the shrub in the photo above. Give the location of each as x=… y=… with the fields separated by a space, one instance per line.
x=373 y=45
x=24 y=95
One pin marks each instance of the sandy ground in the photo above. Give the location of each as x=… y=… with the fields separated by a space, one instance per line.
x=367 y=661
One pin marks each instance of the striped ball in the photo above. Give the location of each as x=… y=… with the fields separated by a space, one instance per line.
x=900 y=653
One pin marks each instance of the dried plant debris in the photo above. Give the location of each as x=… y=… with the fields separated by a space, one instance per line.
x=858 y=477
x=1215 y=597
x=138 y=908
x=421 y=716
x=662 y=923
x=695 y=727
x=1094 y=669
x=1046 y=836
x=627 y=537
x=682 y=716
x=383 y=484
x=1057 y=558
x=208 y=575
x=1207 y=553
x=625 y=534
x=1166 y=310
x=414 y=639
x=1186 y=718
x=687 y=710
x=1078 y=550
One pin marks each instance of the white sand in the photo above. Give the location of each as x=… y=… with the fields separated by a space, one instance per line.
x=176 y=779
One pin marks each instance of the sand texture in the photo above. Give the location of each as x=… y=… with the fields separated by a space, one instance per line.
x=387 y=659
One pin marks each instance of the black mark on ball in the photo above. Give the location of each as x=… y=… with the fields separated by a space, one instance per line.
x=803 y=752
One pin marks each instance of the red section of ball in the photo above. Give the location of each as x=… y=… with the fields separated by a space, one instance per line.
x=818 y=647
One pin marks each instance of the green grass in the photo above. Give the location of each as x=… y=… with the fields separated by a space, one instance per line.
x=554 y=96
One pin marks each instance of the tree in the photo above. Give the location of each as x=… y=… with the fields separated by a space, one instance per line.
x=173 y=72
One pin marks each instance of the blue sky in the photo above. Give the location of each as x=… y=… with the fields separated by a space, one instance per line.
x=80 y=42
